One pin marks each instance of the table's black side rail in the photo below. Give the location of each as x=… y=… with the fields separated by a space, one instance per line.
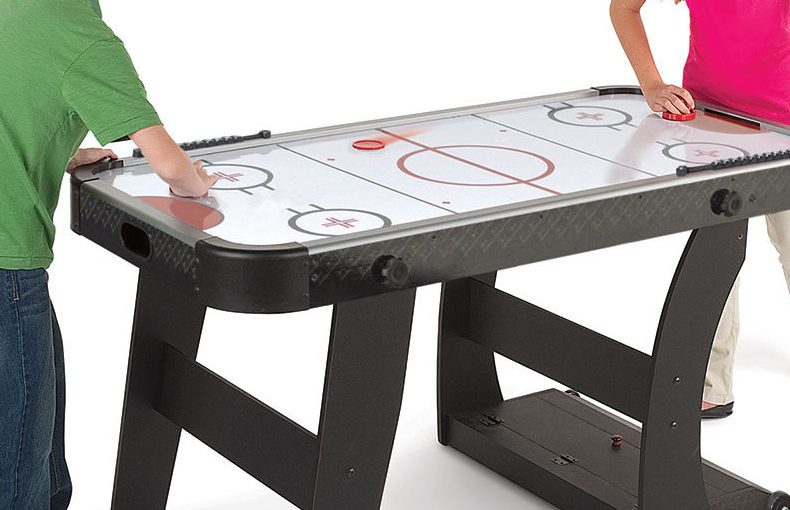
x=479 y=248
x=253 y=279
x=134 y=240
x=273 y=279
x=225 y=276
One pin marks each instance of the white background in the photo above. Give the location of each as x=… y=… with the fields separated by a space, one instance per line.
x=235 y=67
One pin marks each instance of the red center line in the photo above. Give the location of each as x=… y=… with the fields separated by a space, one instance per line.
x=472 y=163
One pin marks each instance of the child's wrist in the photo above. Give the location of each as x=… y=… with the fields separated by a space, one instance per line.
x=652 y=84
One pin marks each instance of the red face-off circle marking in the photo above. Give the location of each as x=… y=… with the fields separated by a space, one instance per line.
x=368 y=145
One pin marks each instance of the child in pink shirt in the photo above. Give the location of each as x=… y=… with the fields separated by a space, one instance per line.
x=739 y=57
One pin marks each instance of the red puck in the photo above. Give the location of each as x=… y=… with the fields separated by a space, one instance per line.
x=680 y=116
x=368 y=145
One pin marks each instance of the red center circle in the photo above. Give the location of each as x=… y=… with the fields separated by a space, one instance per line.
x=550 y=166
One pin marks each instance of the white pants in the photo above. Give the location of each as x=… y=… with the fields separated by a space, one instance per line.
x=718 y=382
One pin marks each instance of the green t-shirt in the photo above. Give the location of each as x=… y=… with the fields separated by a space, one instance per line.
x=62 y=73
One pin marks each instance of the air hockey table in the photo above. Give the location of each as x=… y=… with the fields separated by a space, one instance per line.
x=359 y=216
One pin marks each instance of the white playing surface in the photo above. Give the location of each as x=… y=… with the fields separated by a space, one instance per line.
x=319 y=187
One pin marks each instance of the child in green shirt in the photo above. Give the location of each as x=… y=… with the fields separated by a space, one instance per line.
x=64 y=73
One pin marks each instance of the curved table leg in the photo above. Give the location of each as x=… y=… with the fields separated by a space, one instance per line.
x=467 y=376
x=670 y=466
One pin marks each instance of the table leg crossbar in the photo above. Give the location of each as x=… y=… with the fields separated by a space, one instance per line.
x=566 y=352
x=267 y=445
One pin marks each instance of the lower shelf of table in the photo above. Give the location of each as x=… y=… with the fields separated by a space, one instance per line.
x=559 y=447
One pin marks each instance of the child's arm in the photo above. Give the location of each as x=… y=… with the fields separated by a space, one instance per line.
x=172 y=164
x=627 y=22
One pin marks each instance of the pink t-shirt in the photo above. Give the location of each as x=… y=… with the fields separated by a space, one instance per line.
x=739 y=56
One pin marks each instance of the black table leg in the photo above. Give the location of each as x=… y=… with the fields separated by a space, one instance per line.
x=149 y=441
x=363 y=391
x=467 y=376
x=671 y=431
x=567 y=450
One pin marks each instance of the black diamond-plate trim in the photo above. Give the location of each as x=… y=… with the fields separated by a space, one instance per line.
x=101 y=223
x=483 y=247
x=451 y=253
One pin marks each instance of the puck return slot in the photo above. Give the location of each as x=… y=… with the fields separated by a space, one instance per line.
x=135 y=240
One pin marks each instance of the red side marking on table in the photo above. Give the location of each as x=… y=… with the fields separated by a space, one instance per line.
x=189 y=211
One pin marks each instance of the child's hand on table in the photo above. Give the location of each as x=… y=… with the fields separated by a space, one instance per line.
x=207 y=180
x=88 y=157
x=668 y=98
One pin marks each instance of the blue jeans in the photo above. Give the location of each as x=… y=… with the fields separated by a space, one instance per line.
x=33 y=471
